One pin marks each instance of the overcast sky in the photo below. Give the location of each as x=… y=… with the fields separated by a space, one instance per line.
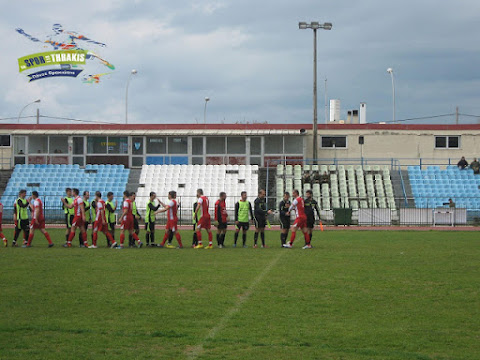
x=250 y=58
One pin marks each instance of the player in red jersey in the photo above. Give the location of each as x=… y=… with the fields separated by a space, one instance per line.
x=127 y=220
x=100 y=223
x=300 y=221
x=171 y=228
x=204 y=222
x=78 y=218
x=5 y=242
x=221 y=219
x=38 y=220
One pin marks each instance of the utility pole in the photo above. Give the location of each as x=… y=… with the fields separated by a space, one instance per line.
x=456 y=115
x=38 y=116
x=326 y=102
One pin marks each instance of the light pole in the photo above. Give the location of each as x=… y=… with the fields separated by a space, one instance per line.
x=133 y=72
x=207 y=99
x=390 y=71
x=20 y=114
x=315 y=25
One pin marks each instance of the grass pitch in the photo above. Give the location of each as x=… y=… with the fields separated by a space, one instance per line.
x=357 y=295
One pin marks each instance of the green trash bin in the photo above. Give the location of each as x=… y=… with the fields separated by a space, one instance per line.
x=342 y=216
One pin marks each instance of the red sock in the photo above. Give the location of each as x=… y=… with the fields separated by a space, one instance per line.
x=209 y=238
x=135 y=236
x=94 y=239
x=307 y=238
x=47 y=236
x=30 y=238
x=85 y=240
x=109 y=236
x=71 y=236
x=2 y=236
x=165 y=237
x=122 y=238
x=179 y=239
x=199 y=237
x=292 y=238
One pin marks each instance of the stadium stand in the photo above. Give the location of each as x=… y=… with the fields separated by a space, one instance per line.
x=186 y=179
x=433 y=187
x=51 y=180
x=349 y=186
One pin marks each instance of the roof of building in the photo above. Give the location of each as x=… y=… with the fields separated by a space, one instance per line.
x=215 y=129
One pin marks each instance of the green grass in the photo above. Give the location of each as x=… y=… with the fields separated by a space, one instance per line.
x=357 y=295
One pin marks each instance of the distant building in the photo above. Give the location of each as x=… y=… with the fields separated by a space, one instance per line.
x=335 y=110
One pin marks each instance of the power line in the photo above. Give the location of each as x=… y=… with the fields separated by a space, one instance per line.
x=416 y=118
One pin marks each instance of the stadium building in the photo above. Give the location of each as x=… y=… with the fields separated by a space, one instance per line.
x=233 y=157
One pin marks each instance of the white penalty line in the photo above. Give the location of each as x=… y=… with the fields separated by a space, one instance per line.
x=197 y=350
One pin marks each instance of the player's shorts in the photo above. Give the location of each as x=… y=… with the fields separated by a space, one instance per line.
x=23 y=225
x=171 y=225
x=285 y=223
x=40 y=225
x=127 y=223
x=310 y=222
x=99 y=226
x=69 y=220
x=243 y=226
x=204 y=223
x=150 y=226
x=77 y=221
x=300 y=222
x=260 y=223
x=222 y=225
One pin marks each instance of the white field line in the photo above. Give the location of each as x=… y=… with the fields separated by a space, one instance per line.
x=198 y=349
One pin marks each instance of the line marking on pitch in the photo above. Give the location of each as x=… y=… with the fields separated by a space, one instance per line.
x=198 y=349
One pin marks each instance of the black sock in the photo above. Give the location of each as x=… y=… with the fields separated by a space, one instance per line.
x=152 y=237
x=222 y=239
x=255 y=238
x=311 y=236
x=282 y=238
x=66 y=237
x=218 y=239
x=170 y=238
x=15 y=237
x=244 y=238
x=147 y=238
x=235 y=238
x=262 y=235
x=195 y=240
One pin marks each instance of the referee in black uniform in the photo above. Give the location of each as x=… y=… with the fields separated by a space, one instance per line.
x=311 y=205
x=284 y=206
x=260 y=212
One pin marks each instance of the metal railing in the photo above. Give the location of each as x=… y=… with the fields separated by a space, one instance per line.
x=428 y=213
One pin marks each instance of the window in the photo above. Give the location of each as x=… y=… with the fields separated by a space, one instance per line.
x=255 y=146
x=137 y=161
x=117 y=145
x=447 y=142
x=236 y=145
x=38 y=144
x=334 y=141
x=19 y=145
x=58 y=144
x=293 y=144
x=197 y=160
x=78 y=145
x=177 y=145
x=78 y=160
x=137 y=145
x=156 y=145
x=97 y=145
x=273 y=145
x=4 y=140
x=215 y=145
x=197 y=146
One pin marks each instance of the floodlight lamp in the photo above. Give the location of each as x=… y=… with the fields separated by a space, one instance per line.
x=315 y=25
x=207 y=99
x=390 y=70
x=134 y=72
x=328 y=26
x=302 y=25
